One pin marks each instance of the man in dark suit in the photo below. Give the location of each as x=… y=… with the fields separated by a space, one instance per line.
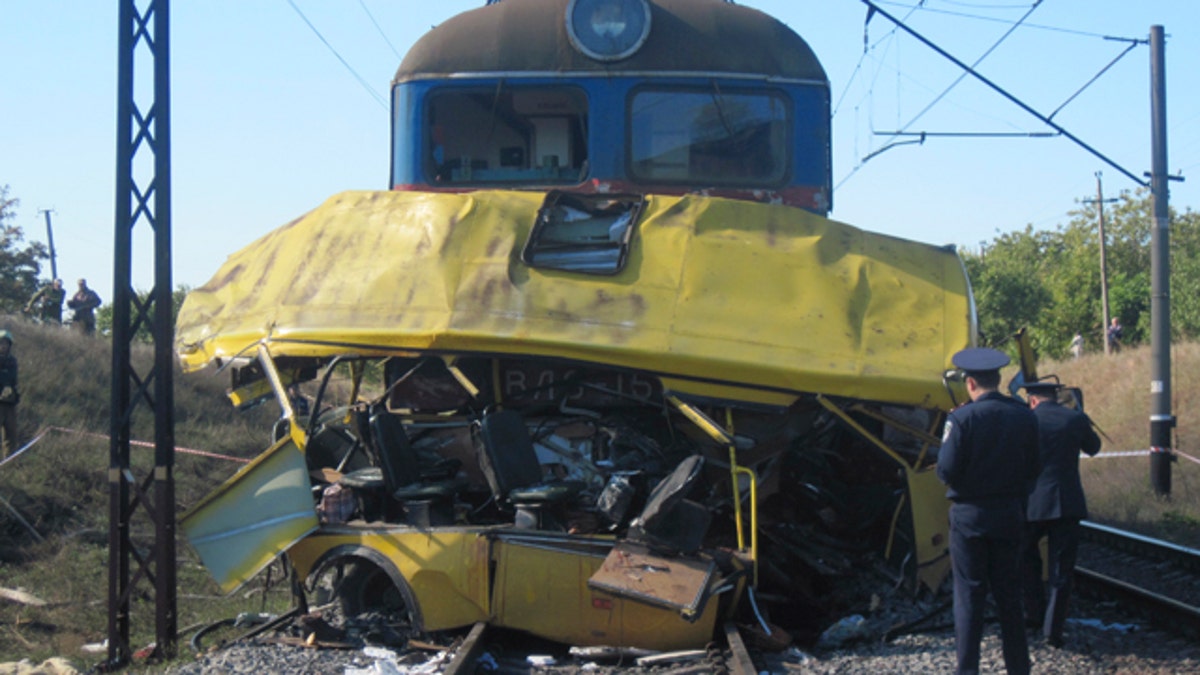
x=1055 y=507
x=988 y=460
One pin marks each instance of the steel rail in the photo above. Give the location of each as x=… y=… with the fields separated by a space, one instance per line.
x=1166 y=612
x=1141 y=545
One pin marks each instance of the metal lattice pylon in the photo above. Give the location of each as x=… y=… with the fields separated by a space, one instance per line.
x=143 y=127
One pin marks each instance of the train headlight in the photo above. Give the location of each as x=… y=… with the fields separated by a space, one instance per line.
x=608 y=30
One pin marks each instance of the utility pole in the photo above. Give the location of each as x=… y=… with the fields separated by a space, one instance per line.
x=1100 y=201
x=1161 y=419
x=143 y=126
x=50 y=240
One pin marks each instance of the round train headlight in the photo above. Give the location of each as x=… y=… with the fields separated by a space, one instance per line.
x=608 y=30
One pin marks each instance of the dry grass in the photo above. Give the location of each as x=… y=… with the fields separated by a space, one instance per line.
x=59 y=487
x=1117 y=397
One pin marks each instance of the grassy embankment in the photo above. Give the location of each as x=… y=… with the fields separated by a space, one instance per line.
x=1117 y=397
x=59 y=486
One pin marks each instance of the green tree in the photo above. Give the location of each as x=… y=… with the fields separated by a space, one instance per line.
x=1127 y=228
x=104 y=315
x=19 y=262
x=1185 y=275
x=1009 y=290
x=1050 y=280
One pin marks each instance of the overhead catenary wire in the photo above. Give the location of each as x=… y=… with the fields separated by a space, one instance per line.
x=383 y=35
x=849 y=81
x=1132 y=44
x=972 y=134
x=1020 y=4
x=963 y=75
x=1013 y=25
x=1018 y=102
x=370 y=90
x=867 y=48
x=978 y=17
x=891 y=144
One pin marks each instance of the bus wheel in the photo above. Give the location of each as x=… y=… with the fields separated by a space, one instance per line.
x=369 y=588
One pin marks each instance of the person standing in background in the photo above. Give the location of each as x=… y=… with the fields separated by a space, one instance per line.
x=9 y=396
x=1114 y=335
x=84 y=303
x=49 y=301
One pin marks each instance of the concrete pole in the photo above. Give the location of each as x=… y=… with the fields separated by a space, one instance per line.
x=1161 y=419
x=50 y=241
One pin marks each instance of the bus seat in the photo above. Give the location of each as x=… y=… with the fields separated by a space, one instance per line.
x=510 y=463
x=670 y=522
x=426 y=495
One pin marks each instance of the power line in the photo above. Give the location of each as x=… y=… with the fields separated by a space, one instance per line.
x=981 y=5
x=939 y=97
x=971 y=70
x=955 y=103
x=867 y=48
x=374 y=94
x=1132 y=44
x=381 y=33
x=978 y=17
x=971 y=134
x=849 y=81
x=964 y=74
x=1018 y=102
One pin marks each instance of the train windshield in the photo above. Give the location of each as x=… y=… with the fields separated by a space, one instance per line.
x=709 y=137
x=508 y=136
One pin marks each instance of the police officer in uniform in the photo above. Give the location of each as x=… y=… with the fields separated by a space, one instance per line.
x=988 y=461
x=1055 y=507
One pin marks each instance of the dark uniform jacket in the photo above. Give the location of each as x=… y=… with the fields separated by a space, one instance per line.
x=84 y=303
x=989 y=461
x=1063 y=433
x=8 y=378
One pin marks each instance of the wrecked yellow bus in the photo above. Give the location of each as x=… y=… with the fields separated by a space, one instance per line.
x=608 y=373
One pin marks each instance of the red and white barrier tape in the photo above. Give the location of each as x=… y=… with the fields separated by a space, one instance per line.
x=1142 y=453
x=144 y=444
x=1187 y=457
x=240 y=460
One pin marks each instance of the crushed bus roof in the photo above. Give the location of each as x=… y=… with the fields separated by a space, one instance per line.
x=721 y=298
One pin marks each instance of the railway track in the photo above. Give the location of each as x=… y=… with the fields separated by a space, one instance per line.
x=711 y=661
x=1159 y=578
x=1150 y=579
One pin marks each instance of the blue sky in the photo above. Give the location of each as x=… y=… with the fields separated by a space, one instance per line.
x=267 y=122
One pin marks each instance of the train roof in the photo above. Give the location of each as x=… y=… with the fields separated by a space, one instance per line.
x=686 y=36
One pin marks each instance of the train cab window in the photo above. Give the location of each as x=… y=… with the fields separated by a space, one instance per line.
x=709 y=137
x=532 y=136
